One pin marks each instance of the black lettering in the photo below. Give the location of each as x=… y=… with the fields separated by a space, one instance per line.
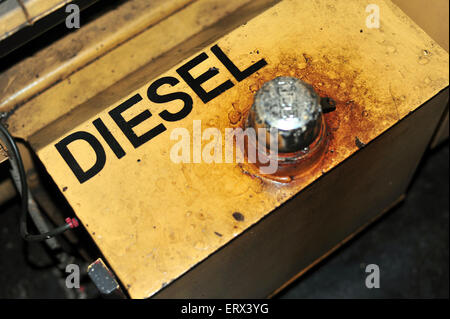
x=195 y=83
x=127 y=126
x=156 y=98
x=234 y=70
x=80 y=174
x=109 y=138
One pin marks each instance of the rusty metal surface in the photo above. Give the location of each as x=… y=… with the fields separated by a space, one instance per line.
x=376 y=76
x=314 y=221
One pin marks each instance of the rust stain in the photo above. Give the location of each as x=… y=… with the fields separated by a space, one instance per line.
x=331 y=76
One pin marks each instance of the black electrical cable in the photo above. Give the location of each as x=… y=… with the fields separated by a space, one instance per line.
x=16 y=157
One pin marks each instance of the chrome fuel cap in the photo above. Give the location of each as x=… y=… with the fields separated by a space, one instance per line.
x=293 y=108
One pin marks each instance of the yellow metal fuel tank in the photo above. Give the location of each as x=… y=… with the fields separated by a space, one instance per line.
x=199 y=229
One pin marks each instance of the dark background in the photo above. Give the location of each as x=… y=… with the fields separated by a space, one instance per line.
x=410 y=244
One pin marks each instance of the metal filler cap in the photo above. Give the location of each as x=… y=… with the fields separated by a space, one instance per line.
x=291 y=106
x=291 y=109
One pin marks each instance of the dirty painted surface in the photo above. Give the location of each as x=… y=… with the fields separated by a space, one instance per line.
x=154 y=219
x=53 y=64
x=111 y=60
